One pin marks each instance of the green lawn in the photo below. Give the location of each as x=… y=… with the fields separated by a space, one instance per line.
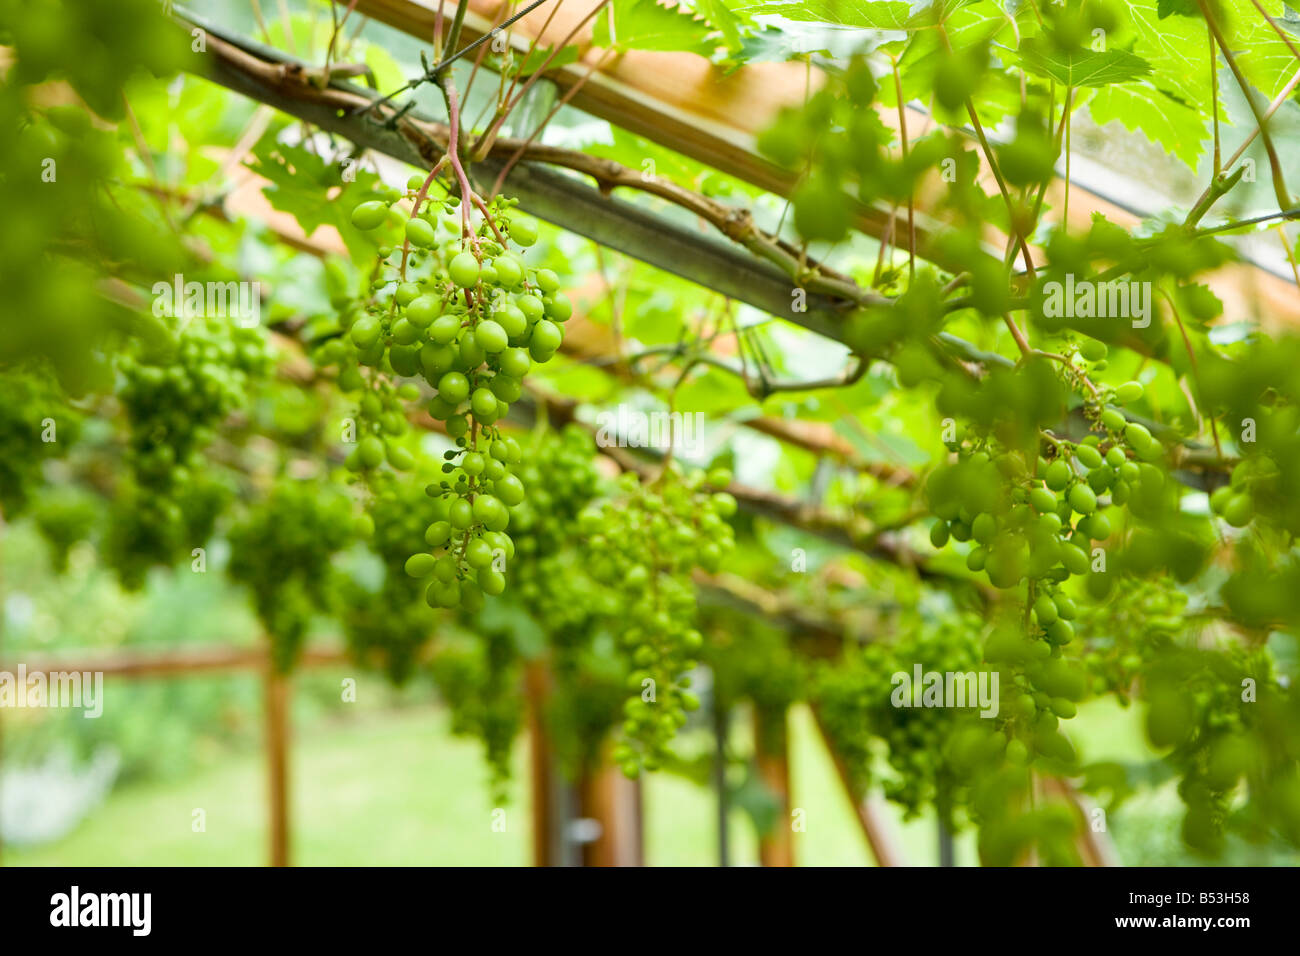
x=395 y=788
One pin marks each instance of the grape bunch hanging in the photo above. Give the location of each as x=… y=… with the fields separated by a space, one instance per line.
x=462 y=311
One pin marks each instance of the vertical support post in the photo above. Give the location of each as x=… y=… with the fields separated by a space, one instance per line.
x=720 y=726
x=771 y=751
x=608 y=800
x=545 y=810
x=277 y=757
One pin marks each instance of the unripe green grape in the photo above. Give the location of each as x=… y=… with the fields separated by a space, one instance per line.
x=1088 y=455
x=1137 y=435
x=1238 y=510
x=399 y=457
x=977 y=559
x=442 y=594
x=1045 y=610
x=420 y=233
x=490 y=336
x=1092 y=350
x=558 y=307
x=491 y=581
x=473 y=464
x=1074 y=559
x=445 y=569
x=531 y=307
x=365 y=331
x=489 y=510
x=478 y=554
x=406 y=293
x=423 y=310
x=484 y=405
x=370 y=451
x=437 y=534
x=512 y=320
x=523 y=230
x=1042 y=500
x=1128 y=393
x=471 y=353
x=1114 y=420
x=1082 y=499
x=369 y=215
x=1060 y=632
x=1098 y=526
x=547 y=281
x=984 y=527
x=420 y=565
x=460 y=514
x=453 y=388
x=464 y=270
x=509 y=272
x=939 y=533
x=444 y=329
x=1058 y=475
x=506 y=389
x=404 y=333
x=724 y=503
x=510 y=490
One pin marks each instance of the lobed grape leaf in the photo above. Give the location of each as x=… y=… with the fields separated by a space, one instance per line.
x=646 y=25
x=1082 y=67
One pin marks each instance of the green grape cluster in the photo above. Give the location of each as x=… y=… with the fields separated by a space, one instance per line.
x=177 y=398
x=32 y=410
x=64 y=515
x=146 y=529
x=468 y=316
x=1039 y=520
x=282 y=551
x=549 y=577
x=643 y=548
x=932 y=751
x=177 y=392
x=1254 y=485
x=392 y=621
x=1218 y=736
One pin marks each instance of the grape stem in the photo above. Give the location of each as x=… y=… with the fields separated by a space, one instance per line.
x=415 y=208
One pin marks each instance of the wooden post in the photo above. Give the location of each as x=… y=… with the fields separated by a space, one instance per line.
x=772 y=754
x=610 y=799
x=537 y=686
x=277 y=754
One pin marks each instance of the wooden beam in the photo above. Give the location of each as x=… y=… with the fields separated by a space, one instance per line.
x=148 y=662
x=683 y=102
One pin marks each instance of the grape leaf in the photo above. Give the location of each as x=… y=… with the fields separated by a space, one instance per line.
x=864 y=14
x=1082 y=67
x=1181 y=8
x=645 y=25
x=1178 y=128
